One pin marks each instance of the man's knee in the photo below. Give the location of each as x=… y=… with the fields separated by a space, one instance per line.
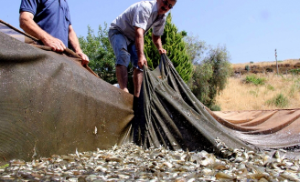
x=123 y=57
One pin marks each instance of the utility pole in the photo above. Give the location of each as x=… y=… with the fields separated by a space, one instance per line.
x=276 y=61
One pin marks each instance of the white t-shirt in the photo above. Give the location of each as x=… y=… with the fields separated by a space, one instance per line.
x=144 y=15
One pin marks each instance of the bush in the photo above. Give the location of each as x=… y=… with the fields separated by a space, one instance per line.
x=251 y=62
x=210 y=77
x=247 y=67
x=102 y=58
x=269 y=70
x=215 y=108
x=279 y=101
x=254 y=93
x=295 y=71
x=292 y=91
x=270 y=87
x=255 y=80
x=295 y=88
x=297 y=84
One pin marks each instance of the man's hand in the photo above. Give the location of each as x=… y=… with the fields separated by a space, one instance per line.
x=139 y=44
x=55 y=44
x=142 y=61
x=75 y=44
x=158 y=44
x=85 y=60
x=29 y=26
x=162 y=51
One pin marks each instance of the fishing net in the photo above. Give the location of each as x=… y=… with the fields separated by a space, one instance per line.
x=51 y=104
x=169 y=115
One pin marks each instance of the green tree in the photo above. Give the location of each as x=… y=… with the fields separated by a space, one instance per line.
x=195 y=48
x=210 y=77
x=199 y=83
x=173 y=42
x=101 y=55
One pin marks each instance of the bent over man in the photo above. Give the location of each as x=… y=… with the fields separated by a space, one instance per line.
x=50 y=22
x=127 y=33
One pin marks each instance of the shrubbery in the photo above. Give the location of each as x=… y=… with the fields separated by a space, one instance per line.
x=279 y=101
x=210 y=77
x=215 y=108
x=97 y=47
x=247 y=68
x=269 y=70
x=270 y=87
x=255 y=80
x=295 y=71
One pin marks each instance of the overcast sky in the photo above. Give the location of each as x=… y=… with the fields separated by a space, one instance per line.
x=250 y=29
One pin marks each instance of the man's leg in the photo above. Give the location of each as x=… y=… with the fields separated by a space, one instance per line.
x=137 y=72
x=119 y=45
x=122 y=77
x=137 y=81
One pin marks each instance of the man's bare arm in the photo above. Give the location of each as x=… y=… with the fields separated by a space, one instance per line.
x=73 y=40
x=157 y=42
x=139 y=43
x=30 y=27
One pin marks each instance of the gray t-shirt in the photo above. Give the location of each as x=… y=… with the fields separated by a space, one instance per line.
x=144 y=15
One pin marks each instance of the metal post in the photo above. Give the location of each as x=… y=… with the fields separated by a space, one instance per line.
x=276 y=61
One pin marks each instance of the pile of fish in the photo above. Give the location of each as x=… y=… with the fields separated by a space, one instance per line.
x=130 y=162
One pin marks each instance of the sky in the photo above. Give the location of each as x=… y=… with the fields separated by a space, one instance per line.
x=251 y=30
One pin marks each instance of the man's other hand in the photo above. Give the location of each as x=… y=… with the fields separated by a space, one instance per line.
x=85 y=59
x=142 y=61
x=162 y=51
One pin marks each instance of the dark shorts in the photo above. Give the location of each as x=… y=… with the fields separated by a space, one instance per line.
x=124 y=52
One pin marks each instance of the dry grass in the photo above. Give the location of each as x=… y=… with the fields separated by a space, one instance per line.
x=241 y=96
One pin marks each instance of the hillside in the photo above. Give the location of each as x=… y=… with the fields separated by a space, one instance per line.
x=276 y=91
x=263 y=67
